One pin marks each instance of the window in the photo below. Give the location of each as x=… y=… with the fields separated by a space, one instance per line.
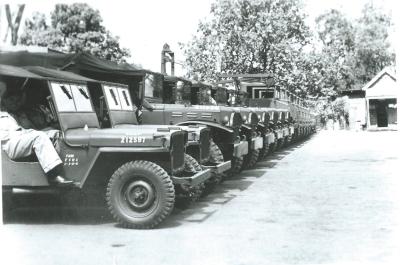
x=153 y=86
x=81 y=97
x=118 y=98
x=63 y=97
x=125 y=98
x=71 y=97
x=111 y=94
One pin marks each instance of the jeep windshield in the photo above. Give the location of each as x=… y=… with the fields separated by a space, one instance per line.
x=71 y=97
x=153 y=88
x=118 y=98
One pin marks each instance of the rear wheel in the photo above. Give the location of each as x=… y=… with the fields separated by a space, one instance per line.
x=251 y=159
x=264 y=151
x=236 y=166
x=216 y=157
x=272 y=147
x=278 y=144
x=289 y=139
x=285 y=141
x=140 y=194
x=193 y=193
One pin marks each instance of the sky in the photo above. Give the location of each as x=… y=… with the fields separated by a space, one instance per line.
x=145 y=25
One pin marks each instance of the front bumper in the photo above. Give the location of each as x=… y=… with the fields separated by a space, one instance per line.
x=257 y=143
x=241 y=149
x=219 y=168
x=269 y=138
x=194 y=180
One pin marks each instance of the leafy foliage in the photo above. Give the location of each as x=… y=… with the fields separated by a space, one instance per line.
x=271 y=36
x=244 y=36
x=354 y=51
x=73 y=28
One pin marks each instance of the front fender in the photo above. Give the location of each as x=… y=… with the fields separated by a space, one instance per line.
x=207 y=123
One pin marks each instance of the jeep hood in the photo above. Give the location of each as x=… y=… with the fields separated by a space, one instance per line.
x=115 y=137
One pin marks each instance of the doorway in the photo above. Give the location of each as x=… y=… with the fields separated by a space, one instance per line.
x=382 y=114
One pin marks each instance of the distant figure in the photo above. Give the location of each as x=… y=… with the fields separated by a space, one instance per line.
x=346 y=118
x=209 y=100
x=232 y=99
x=323 y=121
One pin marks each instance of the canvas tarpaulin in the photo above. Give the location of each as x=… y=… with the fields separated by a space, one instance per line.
x=79 y=63
x=57 y=74
x=9 y=70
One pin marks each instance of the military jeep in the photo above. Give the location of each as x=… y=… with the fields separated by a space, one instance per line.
x=136 y=169
x=181 y=106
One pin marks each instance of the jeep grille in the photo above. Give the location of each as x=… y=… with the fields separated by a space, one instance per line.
x=178 y=143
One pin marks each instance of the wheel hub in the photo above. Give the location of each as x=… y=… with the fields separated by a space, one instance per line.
x=139 y=194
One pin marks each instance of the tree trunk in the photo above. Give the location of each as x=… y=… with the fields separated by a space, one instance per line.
x=14 y=26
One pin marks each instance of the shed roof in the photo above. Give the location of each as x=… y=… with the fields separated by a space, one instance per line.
x=385 y=71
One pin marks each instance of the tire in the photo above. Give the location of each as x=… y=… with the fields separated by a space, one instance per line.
x=289 y=140
x=251 y=159
x=264 y=151
x=236 y=166
x=272 y=148
x=216 y=156
x=278 y=144
x=285 y=141
x=193 y=193
x=153 y=199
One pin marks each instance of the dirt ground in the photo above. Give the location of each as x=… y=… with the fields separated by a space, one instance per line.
x=332 y=199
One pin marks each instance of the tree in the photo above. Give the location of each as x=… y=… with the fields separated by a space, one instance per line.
x=337 y=35
x=353 y=51
x=244 y=36
x=373 y=51
x=74 y=28
x=14 y=25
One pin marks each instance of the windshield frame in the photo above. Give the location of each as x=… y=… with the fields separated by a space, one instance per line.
x=69 y=85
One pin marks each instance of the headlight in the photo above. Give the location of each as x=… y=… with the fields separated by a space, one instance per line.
x=244 y=118
x=225 y=120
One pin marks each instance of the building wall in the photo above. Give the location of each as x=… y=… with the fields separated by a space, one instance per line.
x=385 y=88
x=357 y=112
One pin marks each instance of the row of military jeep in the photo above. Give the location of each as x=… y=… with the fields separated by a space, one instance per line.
x=144 y=139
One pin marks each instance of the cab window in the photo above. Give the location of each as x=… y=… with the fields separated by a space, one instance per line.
x=153 y=86
x=112 y=96
x=125 y=98
x=81 y=97
x=63 y=97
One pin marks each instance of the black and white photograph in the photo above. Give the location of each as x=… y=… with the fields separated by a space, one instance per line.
x=199 y=132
